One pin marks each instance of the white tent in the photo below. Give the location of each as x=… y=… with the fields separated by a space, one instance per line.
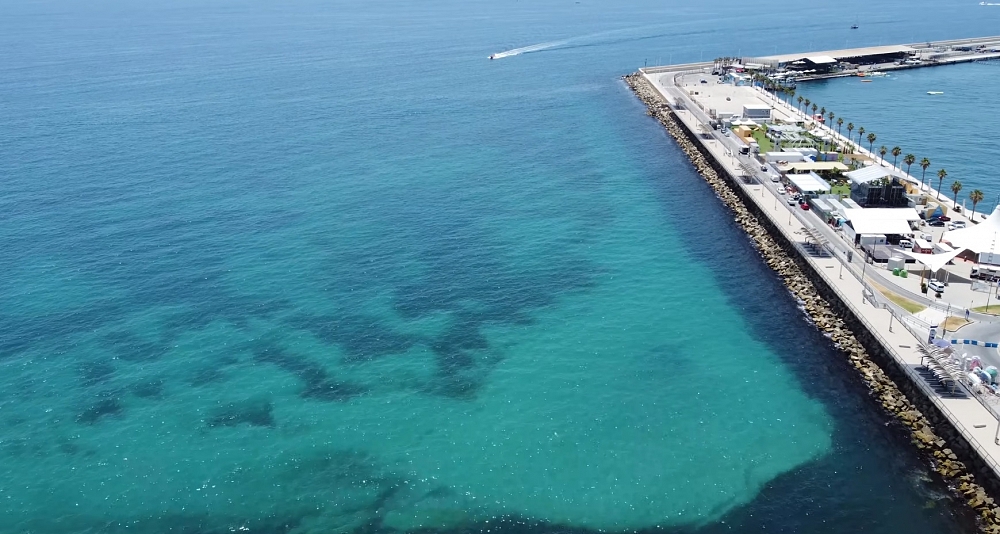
x=809 y=183
x=872 y=173
x=881 y=220
x=934 y=262
x=981 y=238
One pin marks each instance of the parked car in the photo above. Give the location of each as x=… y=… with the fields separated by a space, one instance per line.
x=804 y=206
x=935 y=286
x=905 y=243
x=791 y=202
x=936 y=222
x=958 y=224
x=763 y=168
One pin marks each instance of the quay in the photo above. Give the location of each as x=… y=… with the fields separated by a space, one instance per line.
x=841 y=289
x=858 y=61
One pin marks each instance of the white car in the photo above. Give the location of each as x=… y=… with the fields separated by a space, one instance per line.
x=935 y=286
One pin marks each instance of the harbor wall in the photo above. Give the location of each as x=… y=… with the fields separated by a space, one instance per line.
x=949 y=453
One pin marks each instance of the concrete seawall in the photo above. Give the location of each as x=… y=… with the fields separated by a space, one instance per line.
x=949 y=453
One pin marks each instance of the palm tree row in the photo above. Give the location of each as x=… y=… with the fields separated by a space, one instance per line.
x=803 y=105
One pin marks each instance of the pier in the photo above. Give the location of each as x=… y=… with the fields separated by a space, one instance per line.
x=969 y=423
x=872 y=58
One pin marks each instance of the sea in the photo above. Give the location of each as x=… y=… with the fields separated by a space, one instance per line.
x=315 y=266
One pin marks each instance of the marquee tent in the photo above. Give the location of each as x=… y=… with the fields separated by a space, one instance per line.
x=981 y=238
x=934 y=262
x=881 y=220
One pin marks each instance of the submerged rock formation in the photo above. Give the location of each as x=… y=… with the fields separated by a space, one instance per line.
x=794 y=273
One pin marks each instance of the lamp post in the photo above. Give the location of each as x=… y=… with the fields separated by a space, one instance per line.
x=989 y=293
x=863 y=267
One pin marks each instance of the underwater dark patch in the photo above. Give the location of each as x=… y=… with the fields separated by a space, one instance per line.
x=132 y=348
x=148 y=389
x=316 y=380
x=328 y=390
x=360 y=337
x=95 y=372
x=101 y=408
x=253 y=412
x=206 y=375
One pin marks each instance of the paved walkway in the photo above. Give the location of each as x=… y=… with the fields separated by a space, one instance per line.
x=971 y=417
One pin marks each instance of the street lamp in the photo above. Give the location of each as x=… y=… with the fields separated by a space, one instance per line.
x=863 y=267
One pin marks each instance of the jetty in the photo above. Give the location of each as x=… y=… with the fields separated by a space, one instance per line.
x=956 y=428
x=807 y=66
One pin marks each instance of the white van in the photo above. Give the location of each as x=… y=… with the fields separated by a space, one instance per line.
x=935 y=286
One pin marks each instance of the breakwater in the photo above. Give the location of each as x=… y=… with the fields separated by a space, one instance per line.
x=947 y=451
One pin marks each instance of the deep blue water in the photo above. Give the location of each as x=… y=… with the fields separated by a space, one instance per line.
x=323 y=267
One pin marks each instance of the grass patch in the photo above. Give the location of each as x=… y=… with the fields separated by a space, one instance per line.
x=994 y=309
x=899 y=300
x=953 y=323
x=763 y=142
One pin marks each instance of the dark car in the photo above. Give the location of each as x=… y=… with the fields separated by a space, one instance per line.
x=936 y=222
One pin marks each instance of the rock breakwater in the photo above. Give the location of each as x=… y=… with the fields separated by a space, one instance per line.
x=930 y=434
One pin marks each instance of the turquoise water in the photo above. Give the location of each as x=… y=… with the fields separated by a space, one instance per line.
x=325 y=268
x=951 y=129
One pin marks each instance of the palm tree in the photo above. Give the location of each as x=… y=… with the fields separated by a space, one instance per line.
x=909 y=159
x=799 y=100
x=924 y=163
x=896 y=151
x=822 y=112
x=850 y=128
x=861 y=131
x=807 y=102
x=814 y=108
x=956 y=186
x=881 y=152
x=840 y=122
x=975 y=196
x=941 y=174
x=791 y=94
x=871 y=141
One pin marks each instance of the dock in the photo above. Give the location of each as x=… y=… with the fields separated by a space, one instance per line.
x=973 y=424
x=882 y=58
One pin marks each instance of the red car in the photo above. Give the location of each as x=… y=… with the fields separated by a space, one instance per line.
x=804 y=206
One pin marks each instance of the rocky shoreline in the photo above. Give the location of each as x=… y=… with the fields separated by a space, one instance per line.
x=931 y=443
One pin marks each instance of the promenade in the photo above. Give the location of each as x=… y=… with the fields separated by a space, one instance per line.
x=975 y=420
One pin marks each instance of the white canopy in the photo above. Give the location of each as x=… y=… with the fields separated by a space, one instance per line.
x=933 y=262
x=808 y=183
x=887 y=226
x=983 y=237
x=821 y=60
x=871 y=173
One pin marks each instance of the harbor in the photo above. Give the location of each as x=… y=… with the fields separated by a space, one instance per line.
x=932 y=344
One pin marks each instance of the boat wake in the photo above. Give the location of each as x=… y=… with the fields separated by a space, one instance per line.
x=527 y=49
x=609 y=37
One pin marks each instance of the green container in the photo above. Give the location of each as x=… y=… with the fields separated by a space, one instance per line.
x=903 y=273
x=895 y=272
